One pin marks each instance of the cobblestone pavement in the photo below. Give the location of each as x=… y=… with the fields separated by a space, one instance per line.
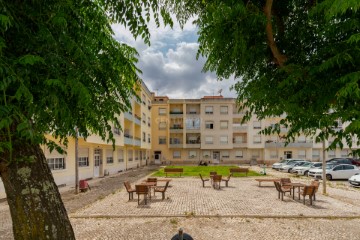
x=242 y=211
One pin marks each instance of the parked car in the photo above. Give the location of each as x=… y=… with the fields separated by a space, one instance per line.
x=278 y=165
x=304 y=169
x=344 y=161
x=355 y=180
x=290 y=165
x=341 y=171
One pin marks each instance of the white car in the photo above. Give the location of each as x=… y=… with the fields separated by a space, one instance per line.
x=278 y=165
x=355 y=180
x=304 y=169
x=290 y=165
x=341 y=171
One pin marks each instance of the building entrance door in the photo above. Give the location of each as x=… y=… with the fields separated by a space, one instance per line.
x=97 y=162
x=216 y=157
x=157 y=157
x=287 y=155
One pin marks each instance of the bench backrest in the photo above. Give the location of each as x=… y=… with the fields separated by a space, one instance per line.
x=173 y=170
x=237 y=170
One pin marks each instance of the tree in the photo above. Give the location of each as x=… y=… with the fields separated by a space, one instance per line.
x=299 y=58
x=61 y=69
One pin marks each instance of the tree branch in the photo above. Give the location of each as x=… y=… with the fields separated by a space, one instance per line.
x=280 y=59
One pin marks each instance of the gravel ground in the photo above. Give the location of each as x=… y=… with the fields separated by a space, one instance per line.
x=241 y=211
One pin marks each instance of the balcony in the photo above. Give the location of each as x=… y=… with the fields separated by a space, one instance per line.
x=175 y=143
x=176 y=114
x=176 y=129
x=238 y=144
x=193 y=144
x=128 y=139
x=269 y=144
x=137 y=141
x=128 y=116
x=137 y=120
x=192 y=129
x=239 y=128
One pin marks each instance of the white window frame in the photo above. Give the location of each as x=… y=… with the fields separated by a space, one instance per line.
x=209 y=140
x=257 y=125
x=162 y=111
x=56 y=163
x=176 y=154
x=225 y=154
x=209 y=124
x=224 y=139
x=162 y=138
x=315 y=153
x=239 y=154
x=301 y=154
x=192 y=154
x=209 y=110
x=83 y=161
x=162 y=125
x=224 y=110
x=256 y=139
x=224 y=124
x=120 y=155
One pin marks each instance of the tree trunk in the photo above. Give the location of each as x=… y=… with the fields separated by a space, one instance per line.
x=35 y=203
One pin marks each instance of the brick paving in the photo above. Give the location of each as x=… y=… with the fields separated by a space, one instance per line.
x=241 y=211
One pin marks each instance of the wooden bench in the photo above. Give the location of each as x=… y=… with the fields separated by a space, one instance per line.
x=173 y=170
x=239 y=170
x=260 y=180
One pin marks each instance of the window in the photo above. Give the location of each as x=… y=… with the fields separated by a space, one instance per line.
x=120 y=156
x=239 y=154
x=116 y=130
x=144 y=137
x=225 y=154
x=148 y=121
x=257 y=139
x=162 y=125
x=176 y=154
x=348 y=167
x=273 y=154
x=162 y=111
x=130 y=155
x=206 y=154
x=83 y=161
x=302 y=139
x=344 y=153
x=302 y=154
x=162 y=140
x=255 y=154
x=192 y=123
x=144 y=99
x=209 y=110
x=209 y=140
x=224 y=124
x=144 y=118
x=224 y=110
x=209 y=125
x=109 y=156
x=149 y=138
x=223 y=139
x=257 y=125
x=331 y=153
x=192 y=154
x=238 y=139
x=192 y=110
x=316 y=153
x=56 y=163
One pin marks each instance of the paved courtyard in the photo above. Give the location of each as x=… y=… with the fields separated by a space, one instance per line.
x=241 y=211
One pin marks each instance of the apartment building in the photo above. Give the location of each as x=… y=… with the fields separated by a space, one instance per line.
x=97 y=157
x=210 y=129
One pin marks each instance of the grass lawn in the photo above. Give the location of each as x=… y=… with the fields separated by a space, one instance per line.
x=204 y=171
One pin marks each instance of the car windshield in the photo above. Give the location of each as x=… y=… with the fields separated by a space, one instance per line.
x=329 y=166
x=284 y=161
x=306 y=164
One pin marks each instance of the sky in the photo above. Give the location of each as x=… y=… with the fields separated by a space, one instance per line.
x=169 y=66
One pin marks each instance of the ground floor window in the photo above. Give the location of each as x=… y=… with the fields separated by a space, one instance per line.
x=83 y=161
x=56 y=163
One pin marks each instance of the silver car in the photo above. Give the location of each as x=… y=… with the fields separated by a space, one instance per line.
x=304 y=169
x=290 y=165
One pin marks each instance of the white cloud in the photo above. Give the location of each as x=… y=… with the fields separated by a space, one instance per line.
x=169 y=65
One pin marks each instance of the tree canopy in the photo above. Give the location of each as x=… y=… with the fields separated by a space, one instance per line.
x=61 y=71
x=299 y=58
